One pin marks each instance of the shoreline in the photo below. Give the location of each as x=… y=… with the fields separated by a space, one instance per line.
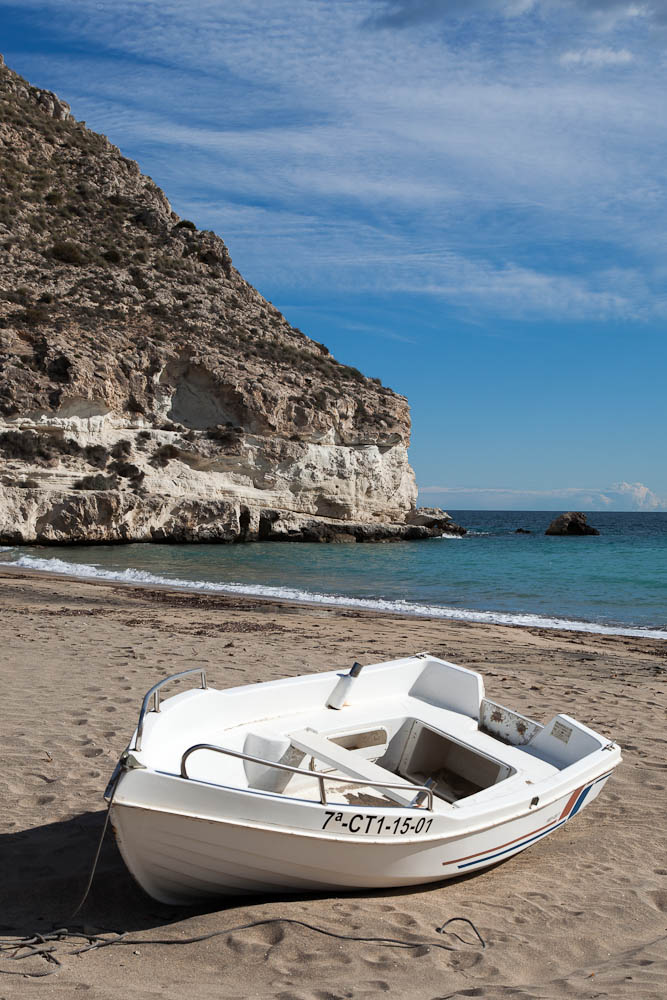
x=371 y=605
x=76 y=659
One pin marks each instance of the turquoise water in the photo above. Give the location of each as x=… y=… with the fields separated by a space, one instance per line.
x=614 y=582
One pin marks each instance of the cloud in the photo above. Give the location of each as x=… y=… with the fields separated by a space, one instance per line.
x=621 y=497
x=356 y=327
x=337 y=158
x=404 y=13
x=640 y=496
x=524 y=292
x=597 y=58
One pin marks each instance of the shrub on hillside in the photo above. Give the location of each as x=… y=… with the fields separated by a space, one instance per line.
x=122 y=449
x=138 y=279
x=96 y=482
x=97 y=455
x=28 y=445
x=164 y=454
x=32 y=315
x=69 y=253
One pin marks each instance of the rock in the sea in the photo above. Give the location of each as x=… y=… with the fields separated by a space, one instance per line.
x=436 y=520
x=571 y=523
x=147 y=391
x=523 y=531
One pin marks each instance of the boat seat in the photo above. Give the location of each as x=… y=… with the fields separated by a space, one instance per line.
x=347 y=761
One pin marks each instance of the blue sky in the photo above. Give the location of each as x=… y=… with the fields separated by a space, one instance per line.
x=465 y=198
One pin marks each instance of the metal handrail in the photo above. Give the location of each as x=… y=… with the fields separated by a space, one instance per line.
x=420 y=790
x=155 y=694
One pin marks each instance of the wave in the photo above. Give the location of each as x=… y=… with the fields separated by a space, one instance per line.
x=410 y=608
x=469 y=534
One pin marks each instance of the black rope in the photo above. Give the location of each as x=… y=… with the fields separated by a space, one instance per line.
x=97 y=858
x=29 y=947
x=386 y=941
x=99 y=849
x=44 y=945
x=441 y=930
x=41 y=944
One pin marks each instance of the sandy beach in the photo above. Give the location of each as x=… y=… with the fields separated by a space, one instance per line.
x=581 y=914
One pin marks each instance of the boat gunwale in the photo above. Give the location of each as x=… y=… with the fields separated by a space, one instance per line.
x=350 y=838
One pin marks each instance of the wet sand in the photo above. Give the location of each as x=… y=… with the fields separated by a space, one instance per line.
x=582 y=913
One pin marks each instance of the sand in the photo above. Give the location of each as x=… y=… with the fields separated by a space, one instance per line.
x=582 y=913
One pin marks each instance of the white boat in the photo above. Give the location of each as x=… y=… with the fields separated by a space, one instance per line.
x=397 y=774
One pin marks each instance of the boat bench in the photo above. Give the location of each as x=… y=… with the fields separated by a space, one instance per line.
x=347 y=761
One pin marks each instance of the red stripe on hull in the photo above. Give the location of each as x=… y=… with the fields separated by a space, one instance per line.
x=570 y=805
x=570 y=802
x=499 y=846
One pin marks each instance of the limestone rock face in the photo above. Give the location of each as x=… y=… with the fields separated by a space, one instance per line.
x=147 y=391
x=571 y=523
x=436 y=520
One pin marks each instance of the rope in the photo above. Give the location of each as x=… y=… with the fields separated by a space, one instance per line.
x=441 y=930
x=41 y=944
x=27 y=947
x=44 y=945
x=97 y=856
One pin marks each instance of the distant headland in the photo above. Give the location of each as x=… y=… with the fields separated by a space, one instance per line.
x=148 y=392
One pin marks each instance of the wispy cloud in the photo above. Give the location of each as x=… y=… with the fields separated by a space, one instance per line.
x=364 y=329
x=403 y=13
x=620 y=496
x=604 y=13
x=599 y=57
x=409 y=161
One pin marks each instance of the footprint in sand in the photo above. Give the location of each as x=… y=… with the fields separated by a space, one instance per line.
x=381 y=961
x=404 y=919
x=659 y=897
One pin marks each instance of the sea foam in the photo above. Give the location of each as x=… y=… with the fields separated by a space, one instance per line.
x=413 y=609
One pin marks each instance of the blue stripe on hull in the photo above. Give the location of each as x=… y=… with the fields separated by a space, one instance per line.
x=514 y=847
x=578 y=804
x=529 y=840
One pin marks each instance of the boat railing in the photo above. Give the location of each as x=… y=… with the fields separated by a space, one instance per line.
x=421 y=791
x=154 y=693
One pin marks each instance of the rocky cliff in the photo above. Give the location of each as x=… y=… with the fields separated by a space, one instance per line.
x=147 y=391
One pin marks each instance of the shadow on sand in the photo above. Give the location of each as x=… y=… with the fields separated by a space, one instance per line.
x=44 y=874
x=45 y=871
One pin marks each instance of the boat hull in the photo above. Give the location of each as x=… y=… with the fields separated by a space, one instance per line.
x=208 y=848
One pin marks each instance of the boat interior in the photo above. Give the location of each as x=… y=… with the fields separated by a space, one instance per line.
x=416 y=732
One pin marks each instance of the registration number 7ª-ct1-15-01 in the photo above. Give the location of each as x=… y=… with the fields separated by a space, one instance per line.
x=364 y=823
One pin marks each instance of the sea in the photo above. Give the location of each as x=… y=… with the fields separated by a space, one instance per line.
x=614 y=583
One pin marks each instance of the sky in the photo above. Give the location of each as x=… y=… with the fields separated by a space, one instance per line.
x=464 y=198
